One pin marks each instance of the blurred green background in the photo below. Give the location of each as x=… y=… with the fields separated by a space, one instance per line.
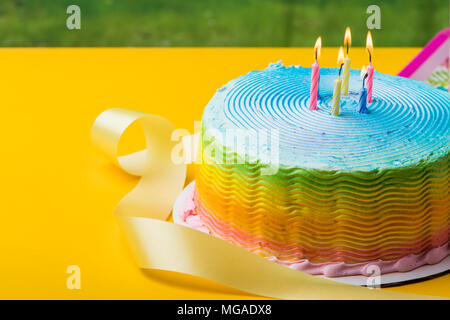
x=25 y=23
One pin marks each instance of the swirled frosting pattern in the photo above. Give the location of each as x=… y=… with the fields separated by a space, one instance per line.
x=408 y=120
x=351 y=189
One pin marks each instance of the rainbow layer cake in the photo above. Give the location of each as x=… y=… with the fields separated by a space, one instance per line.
x=327 y=194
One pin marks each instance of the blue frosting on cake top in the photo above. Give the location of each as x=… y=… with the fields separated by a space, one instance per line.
x=408 y=123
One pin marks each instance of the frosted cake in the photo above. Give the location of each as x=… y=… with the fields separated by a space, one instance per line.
x=344 y=192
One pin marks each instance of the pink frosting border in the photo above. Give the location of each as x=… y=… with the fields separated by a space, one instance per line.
x=191 y=219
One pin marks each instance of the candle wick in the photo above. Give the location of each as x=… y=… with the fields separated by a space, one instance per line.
x=370 y=55
x=364 y=79
x=347 y=49
x=340 y=69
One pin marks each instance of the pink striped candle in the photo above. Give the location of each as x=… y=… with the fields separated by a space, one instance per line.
x=369 y=83
x=315 y=75
x=369 y=47
x=315 y=72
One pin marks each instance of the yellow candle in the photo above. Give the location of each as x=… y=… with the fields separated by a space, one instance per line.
x=347 y=62
x=345 y=76
x=336 y=103
x=336 y=97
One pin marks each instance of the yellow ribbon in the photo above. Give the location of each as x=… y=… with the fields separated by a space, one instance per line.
x=158 y=244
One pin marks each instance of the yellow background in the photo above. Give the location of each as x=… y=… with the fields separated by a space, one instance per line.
x=58 y=193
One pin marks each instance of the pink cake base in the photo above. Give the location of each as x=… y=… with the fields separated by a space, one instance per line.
x=188 y=216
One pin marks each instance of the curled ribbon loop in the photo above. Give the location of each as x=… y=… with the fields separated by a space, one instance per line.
x=158 y=244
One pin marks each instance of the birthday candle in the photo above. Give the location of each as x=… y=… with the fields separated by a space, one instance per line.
x=363 y=101
x=336 y=97
x=314 y=86
x=347 y=62
x=315 y=73
x=363 y=94
x=369 y=83
x=345 y=76
x=369 y=47
x=337 y=86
